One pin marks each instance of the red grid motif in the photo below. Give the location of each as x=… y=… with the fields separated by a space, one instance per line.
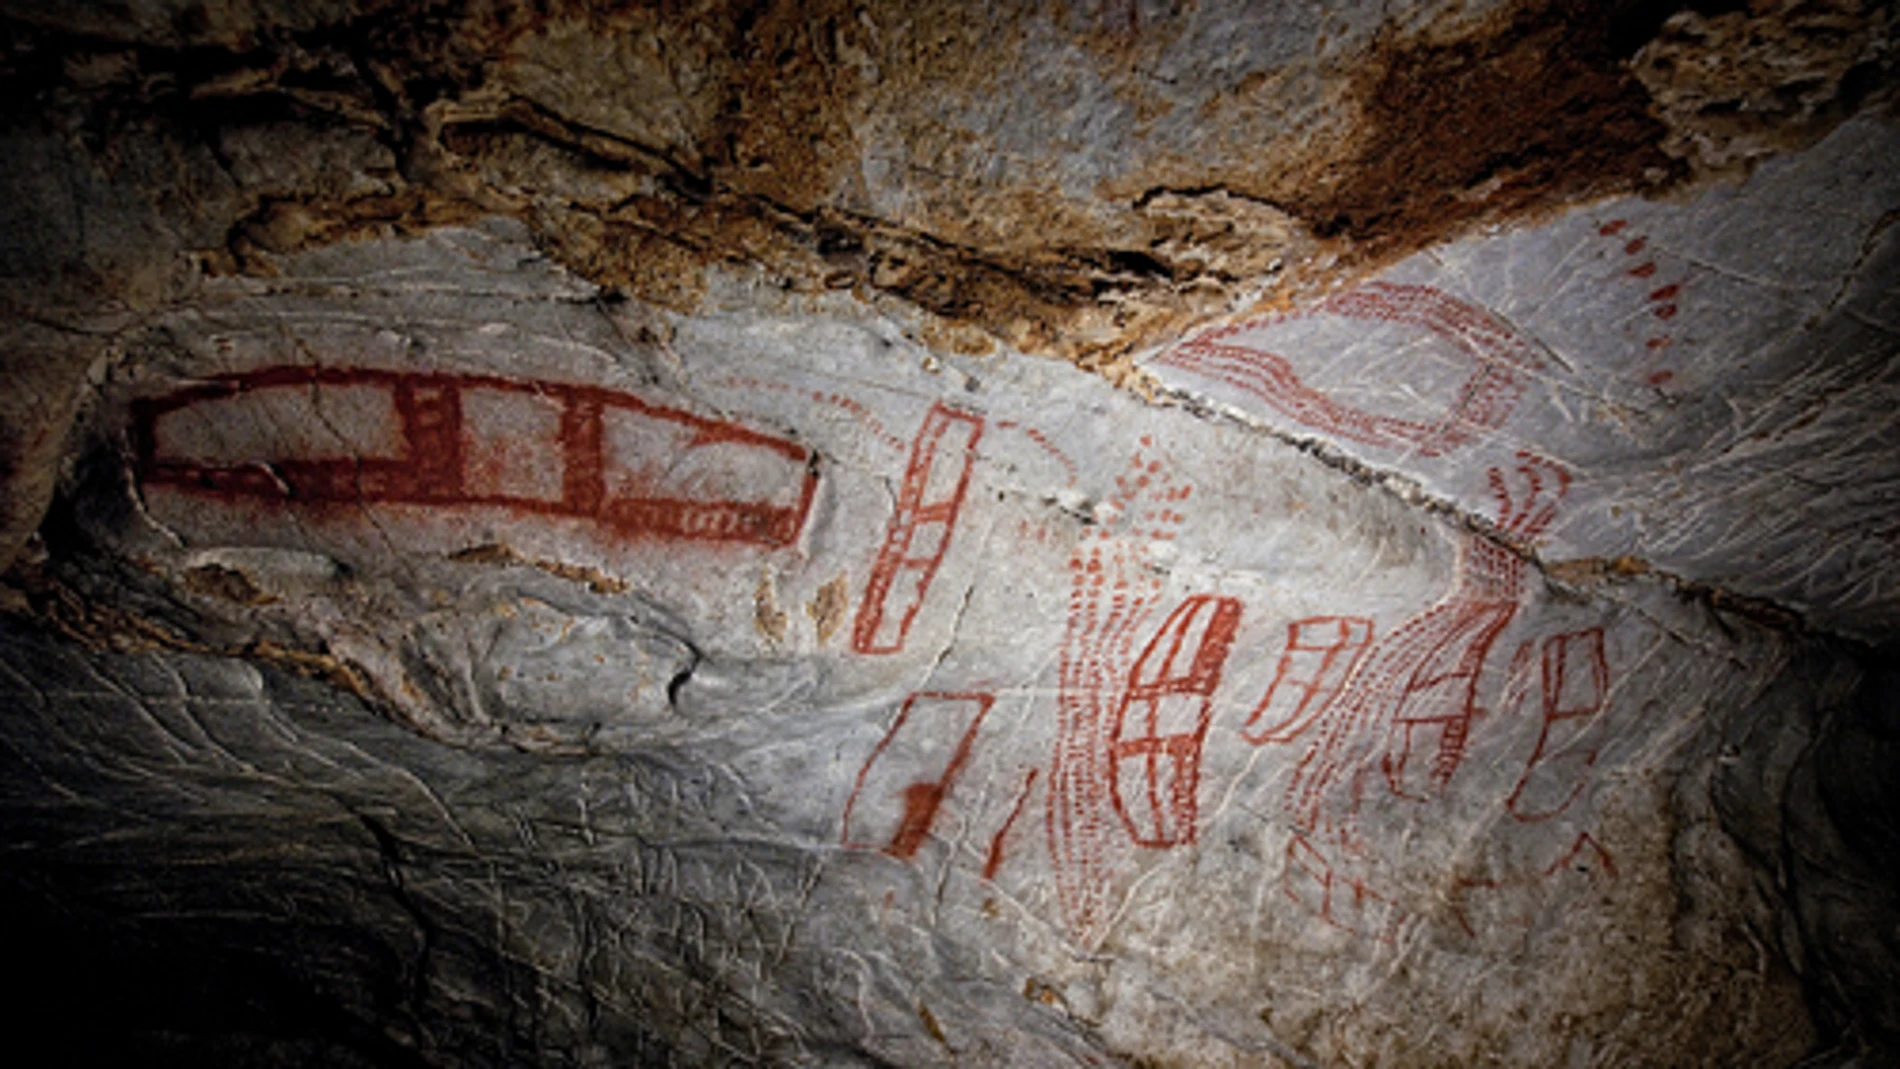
x=1163 y=721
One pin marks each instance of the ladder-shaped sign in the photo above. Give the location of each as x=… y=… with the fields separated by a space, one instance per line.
x=935 y=482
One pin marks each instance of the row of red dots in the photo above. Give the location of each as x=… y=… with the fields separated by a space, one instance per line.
x=1663 y=298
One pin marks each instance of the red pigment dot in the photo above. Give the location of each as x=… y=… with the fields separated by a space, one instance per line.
x=1636 y=246
x=1658 y=378
x=1644 y=271
x=1667 y=311
x=1666 y=292
x=1659 y=343
x=1612 y=227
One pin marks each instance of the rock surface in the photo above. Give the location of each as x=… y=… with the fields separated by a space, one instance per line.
x=554 y=535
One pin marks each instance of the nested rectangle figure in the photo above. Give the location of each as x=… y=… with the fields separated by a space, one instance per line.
x=1163 y=718
x=903 y=783
x=935 y=482
x=1320 y=654
x=354 y=435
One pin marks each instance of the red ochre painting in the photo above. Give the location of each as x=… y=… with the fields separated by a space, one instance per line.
x=1501 y=363
x=1163 y=720
x=935 y=482
x=310 y=435
x=905 y=780
x=1400 y=708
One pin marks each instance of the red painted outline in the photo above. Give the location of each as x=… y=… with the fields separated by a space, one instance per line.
x=1584 y=841
x=923 y=798
x=1110 y=593
x=1484 y=400
x=432 y=469
x=1342 y=902
x=1416 y=688
x=916 y=516
x=1157 y=767
x=1346 y=637
x=1576 y=755
x=1584 y=846
x=1440 y=698
x=993 y=861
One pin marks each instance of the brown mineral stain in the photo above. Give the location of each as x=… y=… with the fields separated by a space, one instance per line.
x=1737 y=83
x=498 y=553
x=486 y=553
x=829 y=606
x=597 y=581
x=930 y=1024
x=287 y=226
x=1529 y=109
x=229 y=584
x=319 y=666
x=767 y=617
x=647 y=147
x=1038 y=991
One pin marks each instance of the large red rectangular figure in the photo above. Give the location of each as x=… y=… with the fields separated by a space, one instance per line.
x=352 y=435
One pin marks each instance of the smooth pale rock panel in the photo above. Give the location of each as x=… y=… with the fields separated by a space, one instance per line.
x=774 y=669
x=1709 y=370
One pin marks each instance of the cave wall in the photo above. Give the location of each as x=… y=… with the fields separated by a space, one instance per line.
x=900 y=535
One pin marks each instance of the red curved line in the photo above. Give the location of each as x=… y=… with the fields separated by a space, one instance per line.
x=1484 y=400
